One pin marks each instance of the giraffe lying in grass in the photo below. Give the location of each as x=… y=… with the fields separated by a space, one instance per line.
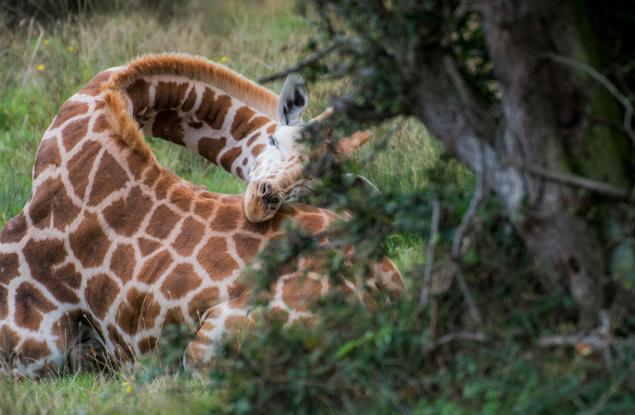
x=111 y=238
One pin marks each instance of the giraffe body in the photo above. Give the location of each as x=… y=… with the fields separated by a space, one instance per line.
x=112 y=239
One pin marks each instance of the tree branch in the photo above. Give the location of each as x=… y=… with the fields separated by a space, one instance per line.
x=475 y=336
x=432 y=241
x=309 y=60
x=571 y=179
x=458 y=241
x=604 y=81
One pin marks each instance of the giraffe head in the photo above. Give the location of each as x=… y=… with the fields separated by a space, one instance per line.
x=278 y=174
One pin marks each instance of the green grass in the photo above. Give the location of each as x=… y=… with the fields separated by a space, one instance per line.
x=41 y=67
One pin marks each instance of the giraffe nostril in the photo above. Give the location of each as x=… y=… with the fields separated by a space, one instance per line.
x=264 y=189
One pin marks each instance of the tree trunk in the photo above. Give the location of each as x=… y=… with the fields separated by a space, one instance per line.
x=546 y=121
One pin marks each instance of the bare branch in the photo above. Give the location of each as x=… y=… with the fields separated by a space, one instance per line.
x=571 y=179
x=479 y=192
x=309 y=60
x=593 y=73
x=593 y=341
x=474 y=336
x=432 y=241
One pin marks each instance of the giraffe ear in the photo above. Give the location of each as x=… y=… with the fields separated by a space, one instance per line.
x=293 y=100
x=347 y=146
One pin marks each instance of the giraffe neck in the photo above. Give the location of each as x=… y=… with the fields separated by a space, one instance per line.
x=225 y=122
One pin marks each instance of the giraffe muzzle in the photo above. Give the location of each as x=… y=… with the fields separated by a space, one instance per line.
x=261 y=201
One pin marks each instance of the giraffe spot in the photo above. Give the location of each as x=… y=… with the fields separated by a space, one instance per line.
x=123 y=262
x=174 y=316
x=66 y=328
x=100 y=293
x=69 y=110
x=213 y=110
x=93 y=88
x=204 y=209
x=139 y=310
x=181 y=281
x=182 y=198
x=245 y=123
x=239 y=173
x=163 y=185
x=162 y=222
x=9 y=267
x=278 y=315
x=50 y=201
x=30 y=305
x=195 y=124
x=246 y=246
x=122 y=348
x=261 y=228
x=237 y=324
x=147 y=344
x=44 y=258
x=202 y=302
x=272 y=128
x=154 y=267
x=300 y=292
x=311 y=223
x=306 y=322
x=136 y=165
x=210 y=147
x=216 y=260
x=147 y=246
x=191 y=234
x=47 y=155
x=239 y=294
x=226 y=218
x=139 y=94
x=189 y=101
x=168 y=95
x=257 y=149
x=4 y=303
x=110 y=177
x=74 y=132
x=14 y=230
x=125 y=215
x=80 y=166
x=228 y=157
x=89 y=242
x=32 y=350
x=253 y=139
x=167 y=125
x=9 y=339
x=101 y=123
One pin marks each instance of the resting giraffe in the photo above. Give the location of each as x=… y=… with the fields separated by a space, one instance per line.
x=111 y=237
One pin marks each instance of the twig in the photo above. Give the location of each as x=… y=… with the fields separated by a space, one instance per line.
x=432 y=241
x=593 y=73
x=593 y=340
x=456 y=247
x=474 y=336
x=571 y=179
x=309 y=60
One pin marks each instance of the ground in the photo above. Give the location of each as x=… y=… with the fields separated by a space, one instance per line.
x=41 y=66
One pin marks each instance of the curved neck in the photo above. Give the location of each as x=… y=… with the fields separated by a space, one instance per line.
x=201 y=117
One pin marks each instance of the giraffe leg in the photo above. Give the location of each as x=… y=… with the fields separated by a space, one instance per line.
x=231 y=318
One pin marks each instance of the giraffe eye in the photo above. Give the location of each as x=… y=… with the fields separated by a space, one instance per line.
x=273 y=141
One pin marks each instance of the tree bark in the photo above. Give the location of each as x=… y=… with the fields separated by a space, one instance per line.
x=543 y=121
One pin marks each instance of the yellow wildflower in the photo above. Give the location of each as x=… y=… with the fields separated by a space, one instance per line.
x=70 y=49
x=45 y=42
x=127 y=387
x=224 y=59
x=40 y=67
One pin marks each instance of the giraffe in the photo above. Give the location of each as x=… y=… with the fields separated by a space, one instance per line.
x=112 y=239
